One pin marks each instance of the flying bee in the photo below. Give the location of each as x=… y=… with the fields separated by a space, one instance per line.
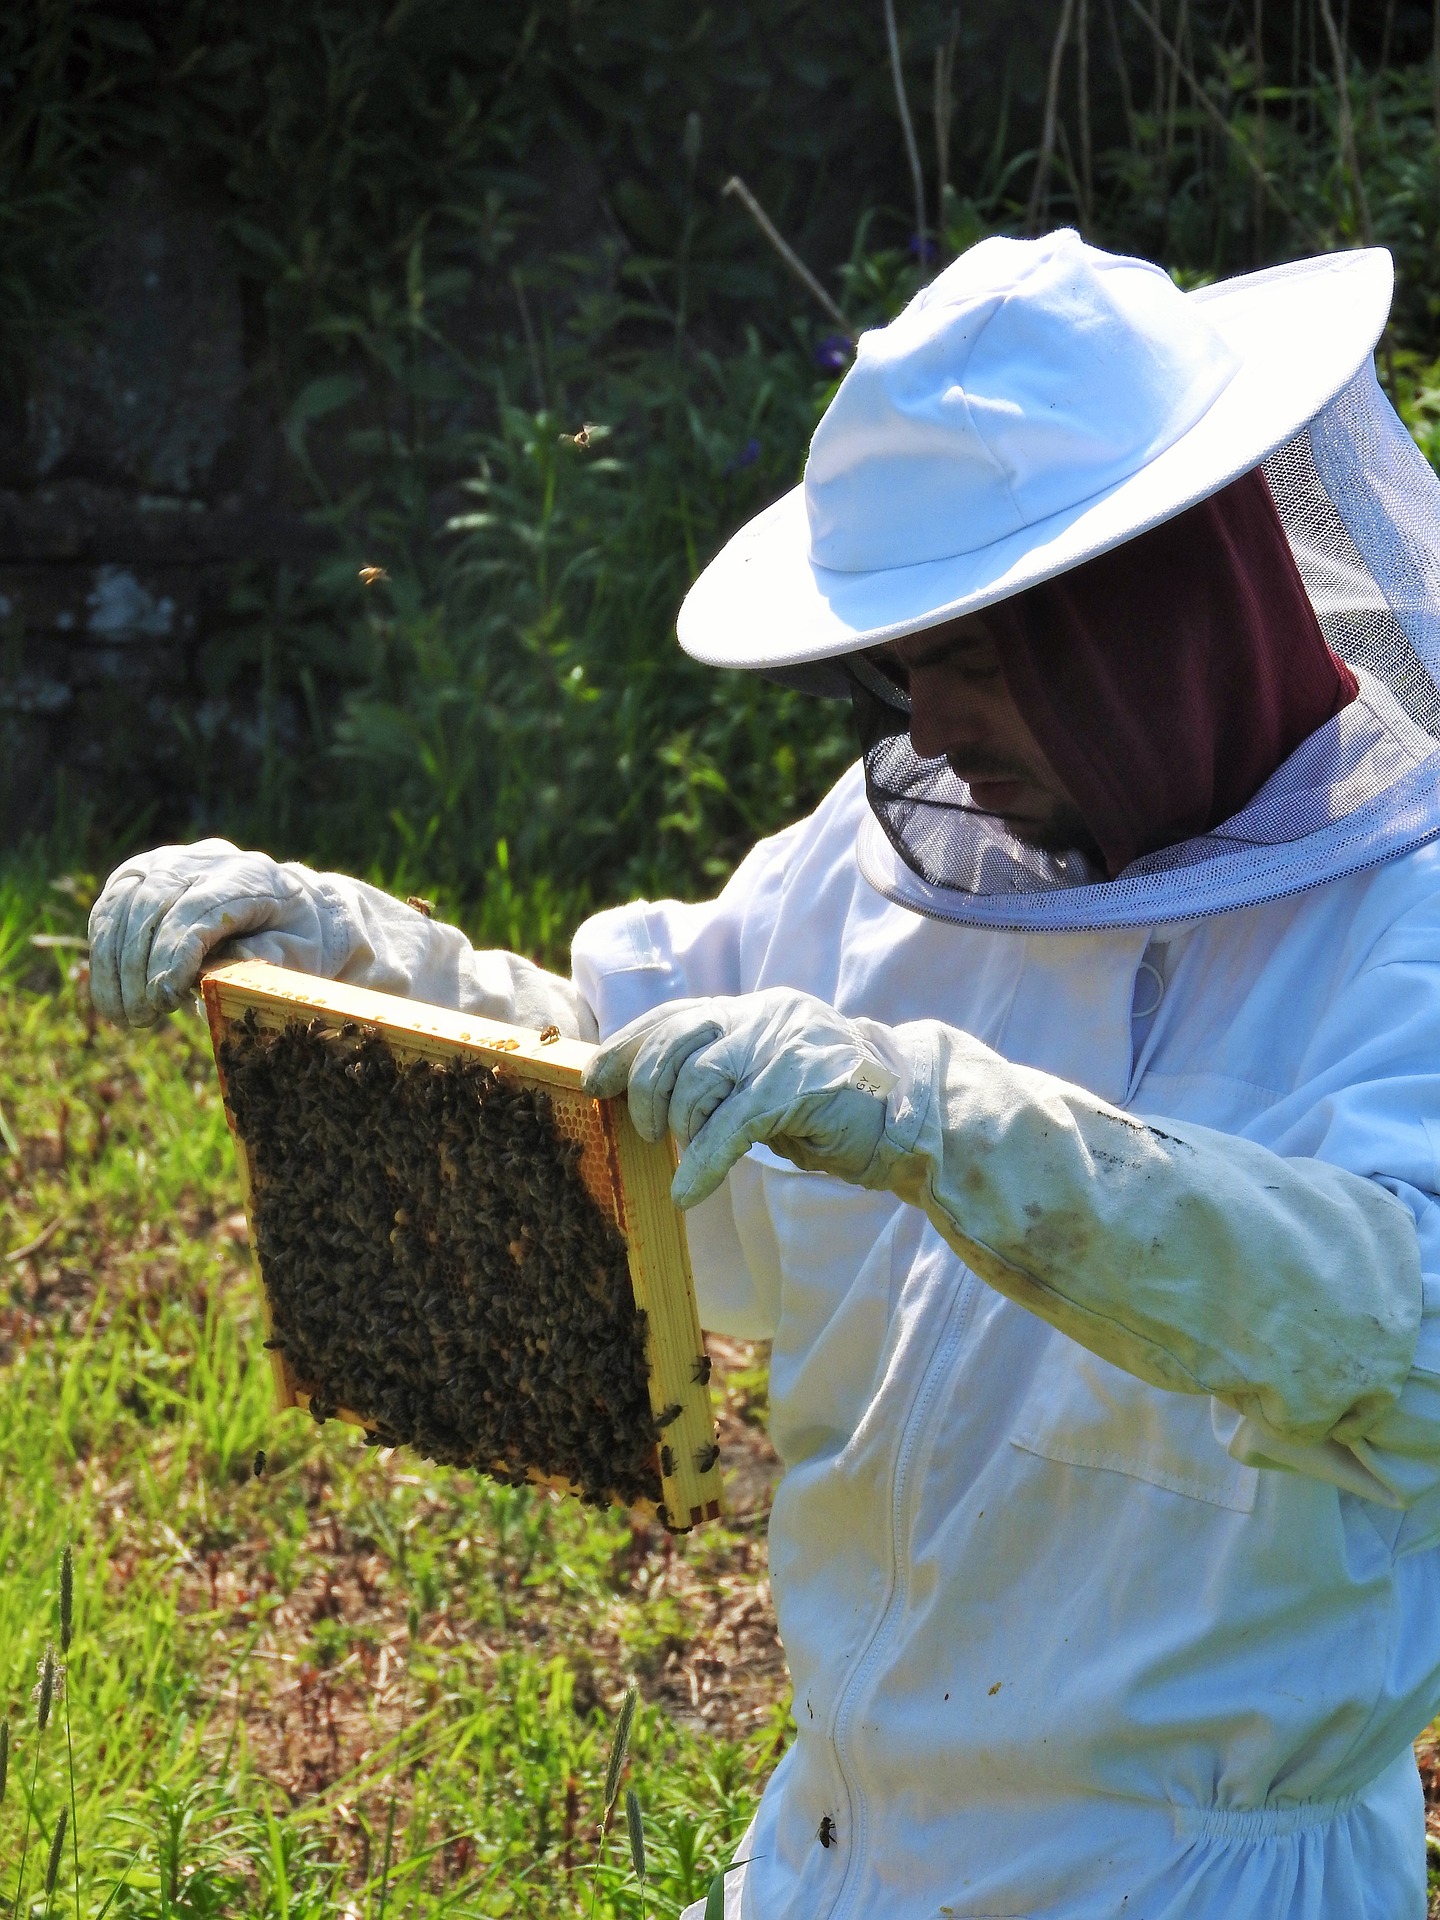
x=583 y=438
x=370 y=575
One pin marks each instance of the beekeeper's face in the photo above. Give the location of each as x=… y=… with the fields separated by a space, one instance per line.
x=961 y=709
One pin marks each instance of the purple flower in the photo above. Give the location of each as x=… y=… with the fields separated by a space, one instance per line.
x=746 y=457
x=833 y=353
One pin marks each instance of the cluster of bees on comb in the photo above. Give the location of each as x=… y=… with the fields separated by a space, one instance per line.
x=435 y=1263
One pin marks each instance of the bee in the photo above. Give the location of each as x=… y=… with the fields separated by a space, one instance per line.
x=548 y=1035
x=583 y=437
x=370 y=575
x=701 y=1375
x=421 y=905
x=257 y=1465
x=706 y=1458
x=826 y=1833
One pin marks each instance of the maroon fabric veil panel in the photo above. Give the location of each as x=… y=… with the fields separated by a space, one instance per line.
x=1167 y=680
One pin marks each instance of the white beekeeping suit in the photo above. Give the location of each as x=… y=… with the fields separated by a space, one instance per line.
x=1093 y=1219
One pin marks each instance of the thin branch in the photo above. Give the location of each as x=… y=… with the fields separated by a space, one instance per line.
x=1208 y=107
x=1348 y=149
x=907 y=127
x=1047 y=131
x=736 y=186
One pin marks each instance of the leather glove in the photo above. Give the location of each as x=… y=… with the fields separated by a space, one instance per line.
x=776 y=1067
x=1198 y=1261
x=163 y=914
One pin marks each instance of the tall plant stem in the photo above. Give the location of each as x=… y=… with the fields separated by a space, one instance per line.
x=394 y=1790
x=1212 y=113
x=1172 y=87
x=1348 y=150
x=1122 y=73
x=25 y=1843
x=1047 y=129
x=907 y=126
x=1387 y=34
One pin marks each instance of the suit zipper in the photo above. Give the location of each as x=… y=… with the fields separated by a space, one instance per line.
x=915 y=1422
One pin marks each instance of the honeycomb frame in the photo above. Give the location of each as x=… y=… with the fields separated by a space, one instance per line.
x=628 y=1177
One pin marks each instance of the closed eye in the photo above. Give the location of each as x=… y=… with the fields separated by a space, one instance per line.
x=966 y=660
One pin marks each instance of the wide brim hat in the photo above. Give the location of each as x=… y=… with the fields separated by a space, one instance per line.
x=1039 y=404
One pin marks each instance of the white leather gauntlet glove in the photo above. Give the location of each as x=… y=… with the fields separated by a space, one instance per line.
x=1288 y=1288
x=164 y=913
x=777 y=1067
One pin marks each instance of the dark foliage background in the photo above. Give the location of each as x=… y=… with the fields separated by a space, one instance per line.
x=425 y=244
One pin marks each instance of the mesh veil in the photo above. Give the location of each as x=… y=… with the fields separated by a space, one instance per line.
x=1361 y=508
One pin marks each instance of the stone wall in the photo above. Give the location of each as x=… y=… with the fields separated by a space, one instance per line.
x=141 y=469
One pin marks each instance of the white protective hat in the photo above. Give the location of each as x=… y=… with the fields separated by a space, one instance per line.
x=1040 y=403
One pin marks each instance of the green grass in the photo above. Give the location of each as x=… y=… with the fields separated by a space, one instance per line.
x=262 y=1667
x=269 y=1675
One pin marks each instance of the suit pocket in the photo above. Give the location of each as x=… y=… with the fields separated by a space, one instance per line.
x=1083 y=1412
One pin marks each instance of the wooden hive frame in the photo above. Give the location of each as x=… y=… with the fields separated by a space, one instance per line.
x=628 y=1177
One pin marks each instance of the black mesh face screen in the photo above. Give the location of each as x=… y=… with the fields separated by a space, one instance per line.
x=929 y=817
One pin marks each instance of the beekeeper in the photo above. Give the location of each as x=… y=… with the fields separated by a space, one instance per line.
x=1062 y=1098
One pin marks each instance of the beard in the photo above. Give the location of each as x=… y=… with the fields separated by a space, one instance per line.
x=1055 y=826
x=1060 y=832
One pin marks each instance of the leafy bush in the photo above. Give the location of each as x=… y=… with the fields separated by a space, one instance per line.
x=463 y=235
